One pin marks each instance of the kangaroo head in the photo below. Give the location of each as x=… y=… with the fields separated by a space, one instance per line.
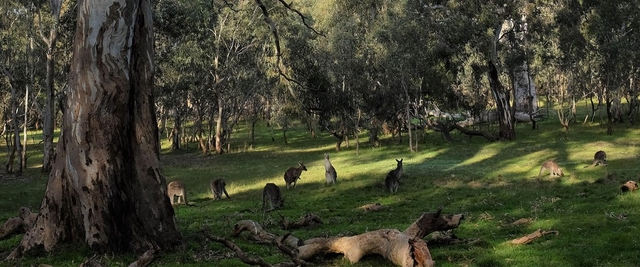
x=302 y=167
x=399 y=162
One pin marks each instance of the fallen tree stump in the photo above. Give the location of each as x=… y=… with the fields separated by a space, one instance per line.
x=532 y=236
x=18 y=225
x=304 y=221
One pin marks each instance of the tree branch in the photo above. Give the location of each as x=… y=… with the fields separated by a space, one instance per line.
x=302 y=17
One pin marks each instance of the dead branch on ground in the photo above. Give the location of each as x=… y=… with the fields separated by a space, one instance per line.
x=256 y=233
x=531 y=237
x=259 y=261
x=372 y=207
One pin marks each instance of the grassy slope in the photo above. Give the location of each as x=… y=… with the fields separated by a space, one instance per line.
x=493 y=184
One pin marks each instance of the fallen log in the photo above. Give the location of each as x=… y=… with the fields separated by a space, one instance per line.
x=402 y=248
x=532 y=236
x=391 y=244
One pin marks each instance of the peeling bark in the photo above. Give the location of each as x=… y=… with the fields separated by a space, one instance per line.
x=106 y=190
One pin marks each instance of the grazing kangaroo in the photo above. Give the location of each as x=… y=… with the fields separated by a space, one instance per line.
x=271 y=196
x=177 y=193
x=392 y=181
x=552 y=166
x=600 y=158
x=329 y=171
x=292 y=175
x=219 y=186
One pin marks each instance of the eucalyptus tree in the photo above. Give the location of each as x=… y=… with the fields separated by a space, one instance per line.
x=15 y=46
x=237 y=42
x=50 y=20
x=611 y=30
x=181 y=44
x=106 y=189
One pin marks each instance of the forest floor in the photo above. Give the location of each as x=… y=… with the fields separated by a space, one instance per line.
x=494 y=185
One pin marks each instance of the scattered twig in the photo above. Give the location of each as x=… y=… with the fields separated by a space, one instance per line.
x=239 y=253
x=372 y=207
x=533 y=236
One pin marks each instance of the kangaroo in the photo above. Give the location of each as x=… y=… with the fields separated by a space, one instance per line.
x=177 y=193
x=218 y=186
x=600 y=158
x=552 y=166
x=271 y=196
x=292 y=175
x=392 y=181
x=329 y=171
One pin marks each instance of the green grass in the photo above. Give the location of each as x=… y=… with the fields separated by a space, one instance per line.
x=492 y=184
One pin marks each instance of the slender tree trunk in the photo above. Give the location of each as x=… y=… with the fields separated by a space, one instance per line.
x=199 y=130
x=23 y=154
x=176 y=131
x=106 y=189
x=505 y=114
x=219 y=133
x=49 y=105
x=17 y=146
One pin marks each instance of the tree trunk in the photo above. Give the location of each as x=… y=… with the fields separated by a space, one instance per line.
x=176 y=131
x=505 y=115
x=49 y=105
x=219 y=135
x=17 y=147
x=106 y=189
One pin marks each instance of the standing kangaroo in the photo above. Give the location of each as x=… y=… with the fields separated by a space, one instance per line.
x=271 y=197
x=292 y=175
x=219 y=186
x=600 y=158
x=177 y=193
x=392 y=181
x=329 y=171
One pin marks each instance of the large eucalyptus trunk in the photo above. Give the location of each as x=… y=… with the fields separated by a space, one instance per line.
x=106 y=190
x=526 y=98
